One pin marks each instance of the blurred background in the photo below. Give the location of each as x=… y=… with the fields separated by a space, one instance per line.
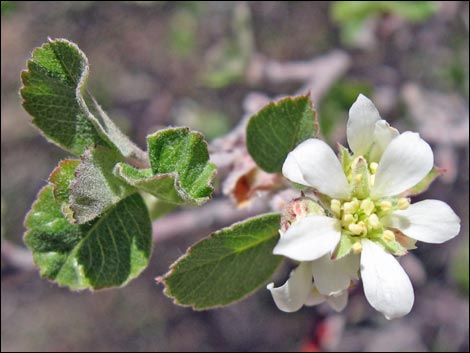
x=205 y=65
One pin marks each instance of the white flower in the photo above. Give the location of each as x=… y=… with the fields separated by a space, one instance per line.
x=299 y=290
x=368 y=216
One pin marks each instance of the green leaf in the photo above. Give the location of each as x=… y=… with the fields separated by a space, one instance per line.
x=180 y=170
x=95 y=187
x=227 y=266
x=54 y=94
x=162 y=185
x=60 y=179
x=105 y=253
x=277 y=129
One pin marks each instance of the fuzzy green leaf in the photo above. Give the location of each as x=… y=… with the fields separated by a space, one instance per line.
x=60 y=179
x=180 y=171
x=105 y=253
x=54 y=94
x=227 y=266
x=162 y=185
x=277 y=129
x=95 y=187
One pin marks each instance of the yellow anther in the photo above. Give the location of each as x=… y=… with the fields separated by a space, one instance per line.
x=351 y=207
x=356 y=228
x=364 y=226
x=367 y=206
x=357 y=248
x=388 y=235
x=348 y=208
x=403 y=203
x=335 y=206
x=373 y=167
x=371 y=180
x=373 y=221
x=385 y=206
x=347 y=220
x=358 y=178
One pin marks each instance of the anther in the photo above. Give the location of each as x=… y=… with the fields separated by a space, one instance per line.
x=335 y=206
x=357 y=248
x=373 y=167
x=373 y=221
x=388 y=235
x=367 y=206
x=385 y=206
x=347 y=220
x=356 y=228
x=403 y=203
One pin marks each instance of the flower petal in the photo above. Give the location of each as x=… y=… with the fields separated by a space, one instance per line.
x=314 y=163
x=431 y=221
x=361 y=124
x=386 y=285
x=293 y=294
x=339 y=302
x=291 y=170
x=315 y=298
x=309 y=238
x=405 y=162
x=383 y=135
x=331 y=277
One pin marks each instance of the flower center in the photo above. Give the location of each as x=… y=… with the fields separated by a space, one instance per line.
x=361 y=216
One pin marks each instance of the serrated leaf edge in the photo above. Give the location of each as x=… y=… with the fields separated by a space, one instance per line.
x=180 y=190
x=188 y=253
x=274 y=104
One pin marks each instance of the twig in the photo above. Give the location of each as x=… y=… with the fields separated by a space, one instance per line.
x=16 y=257
x=217 y=213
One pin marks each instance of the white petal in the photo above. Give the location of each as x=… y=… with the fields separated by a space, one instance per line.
x=386 y=285
x=361 y=124
x=309 y=238
x=383 y=135
x=331 y=277
x=338 y=303
x=293 y=294
x=405 y=162
x=314 y=163
x=291 y=170
x=431 y=221
x=315 y=298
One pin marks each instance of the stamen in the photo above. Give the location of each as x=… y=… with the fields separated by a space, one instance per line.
x=347 y=220
x=373 y=167
x=386 y=206
x=356 y=228
x=367 y=206
x=403 y=203
x=388 y=235
x=335 y=207
x=357 y=248
x=373 y=221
